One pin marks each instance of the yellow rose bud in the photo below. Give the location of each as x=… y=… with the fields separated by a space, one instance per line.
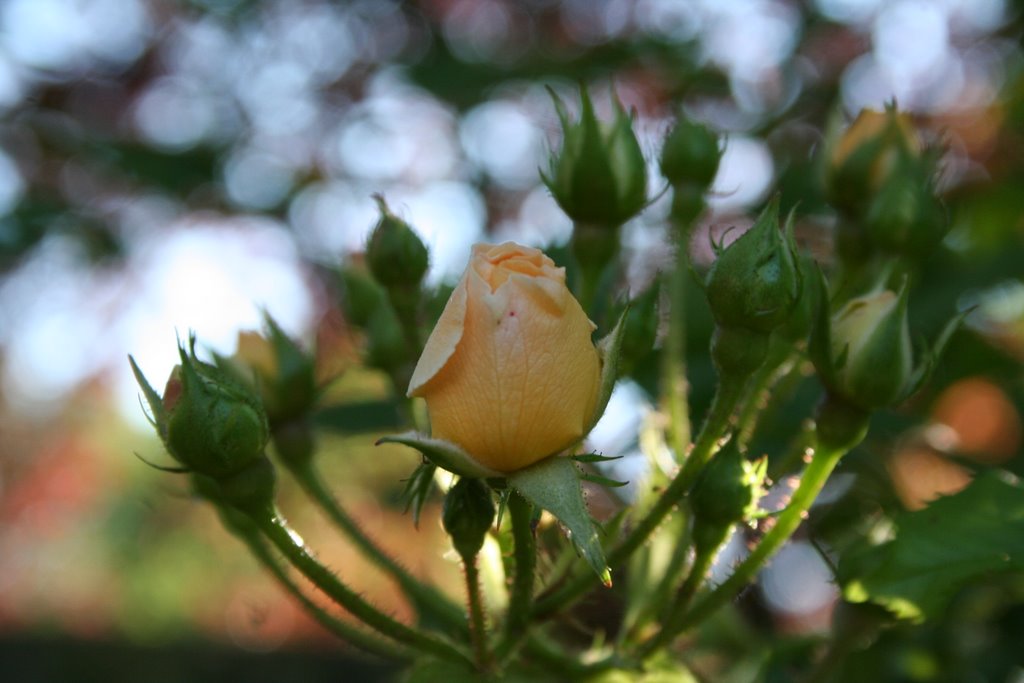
x=510 y=373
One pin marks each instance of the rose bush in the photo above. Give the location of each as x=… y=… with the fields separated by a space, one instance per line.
x=510 y=372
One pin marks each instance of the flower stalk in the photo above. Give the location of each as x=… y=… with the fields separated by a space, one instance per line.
x=290 y=544
x=428 y=602
x=524 y=543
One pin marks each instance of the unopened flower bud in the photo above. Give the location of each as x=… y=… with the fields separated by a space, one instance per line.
x=871 y=349
x=726 y=492
x=599 y=177
x=209 y=422
x=691 y=155
x=862 y=160
x=396 y=255
x=755 y=283
x=906 y=217
x=468 y=514
x=864 y=357
x=285 y=373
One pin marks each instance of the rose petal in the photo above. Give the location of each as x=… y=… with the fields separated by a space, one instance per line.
x=443 y=341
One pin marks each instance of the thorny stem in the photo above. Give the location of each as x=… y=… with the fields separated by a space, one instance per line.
x=275 y=528
x=727 y=395
x=477 y=621
x=425 y=598
x=698 y=572
x=362 y=640
x=752 y=407
x=525 y=552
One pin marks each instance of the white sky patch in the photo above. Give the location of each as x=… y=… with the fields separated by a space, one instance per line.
x=797 y=580
x=744 y=174
x=210 y=275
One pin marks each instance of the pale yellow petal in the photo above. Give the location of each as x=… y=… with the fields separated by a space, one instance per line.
x=443 y=341
x=524 y=379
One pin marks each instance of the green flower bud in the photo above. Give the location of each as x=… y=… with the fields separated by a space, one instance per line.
x=755 y=283
x=905 y=217
x=862 y=159
x=871 y=350
x=209 y=422
x=361 y=296
x=599 y=176
x=468 y=514
x=285 y=373
x=726 y=492
x=863 y=353
x=396 y=255
x=691 y=155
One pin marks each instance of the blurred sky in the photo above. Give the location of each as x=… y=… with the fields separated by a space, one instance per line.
x=301 y=157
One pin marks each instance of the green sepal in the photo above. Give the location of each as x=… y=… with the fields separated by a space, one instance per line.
x=594 y=457
x=162 y=468
x=923 y=372
x=554 y=484
x=156 y=404
x=444 y=454
x=417 y=488
x=819 y=347
x=609 y=349
x=601 y=480
x=292 y=391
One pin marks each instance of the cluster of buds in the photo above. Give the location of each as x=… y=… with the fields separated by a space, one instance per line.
x=753 y=288
x=384 y=299
x=882 y=179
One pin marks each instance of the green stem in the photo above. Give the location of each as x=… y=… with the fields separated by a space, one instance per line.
x=811 y=483
x=291 y=546
x=715 y=425
x=674 y=357
x=655 y=600
x=698 y=572
x=594 y=248
x=525 y=550
x=427 y=600
x=567 y=666
x=477 y=621
x=362 y=640
x=756 y=399
x=728 y=394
